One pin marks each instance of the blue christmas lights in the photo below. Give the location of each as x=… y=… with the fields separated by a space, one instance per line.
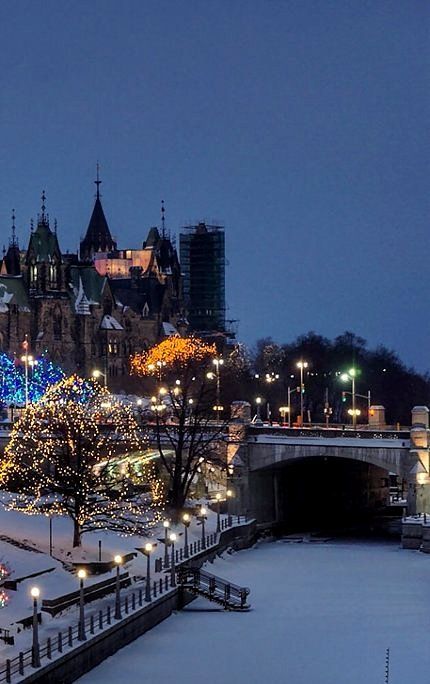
x=41 y=375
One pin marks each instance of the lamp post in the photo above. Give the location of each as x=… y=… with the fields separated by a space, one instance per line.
x=35 y=652
x=118 y=562
x=97 y=373
x=27 y=360
x=202 y=518
x=258 y=401
x=147 y=551
x=218 y=511
x=186 y=519
x=284 y=411
x=81 y=628
x=172 y=539
x=218 y=362
x=229 y=494
x=346 y=377
x=301 y=364
x=166 y=525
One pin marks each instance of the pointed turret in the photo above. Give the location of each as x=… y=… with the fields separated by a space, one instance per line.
x=98 y=237
x=12 y=258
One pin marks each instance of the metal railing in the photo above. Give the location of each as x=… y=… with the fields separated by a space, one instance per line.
x=329 y=433
x=214 y=588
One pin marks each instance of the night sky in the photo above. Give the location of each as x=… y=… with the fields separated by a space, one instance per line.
x=300 y=125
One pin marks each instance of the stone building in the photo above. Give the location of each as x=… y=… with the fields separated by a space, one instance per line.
x=80 y=309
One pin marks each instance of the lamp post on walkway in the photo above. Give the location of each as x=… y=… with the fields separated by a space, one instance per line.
x=166 y=525
x=229 y=494
x=118 y=562
x=35 y=652
x=218 y=512
x=81 y=628
x=172 y=539
x=186 y=519
x=147 y=551
x=202 y=518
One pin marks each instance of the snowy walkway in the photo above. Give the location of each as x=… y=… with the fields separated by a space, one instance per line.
x=321 y=614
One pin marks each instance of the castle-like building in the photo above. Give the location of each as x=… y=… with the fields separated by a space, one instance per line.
x=94 y=309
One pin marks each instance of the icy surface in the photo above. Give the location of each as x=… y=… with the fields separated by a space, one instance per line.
x=321 y=614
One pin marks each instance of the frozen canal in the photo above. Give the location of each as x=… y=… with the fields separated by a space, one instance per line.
x=321 y=614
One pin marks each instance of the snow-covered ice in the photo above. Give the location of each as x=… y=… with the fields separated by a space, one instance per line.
x=321 y=614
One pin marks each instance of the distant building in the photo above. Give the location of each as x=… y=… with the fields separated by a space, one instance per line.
x=93 y=310
x=202 y=256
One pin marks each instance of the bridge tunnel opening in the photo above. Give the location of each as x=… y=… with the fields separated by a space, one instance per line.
x=330 y=495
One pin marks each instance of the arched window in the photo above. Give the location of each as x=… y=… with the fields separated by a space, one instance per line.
x=33 y=275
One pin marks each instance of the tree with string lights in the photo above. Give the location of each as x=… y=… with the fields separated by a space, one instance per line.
x=66 y=457
x=189 y=430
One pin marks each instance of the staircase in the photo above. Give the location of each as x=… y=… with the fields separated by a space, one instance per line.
x=216 y=589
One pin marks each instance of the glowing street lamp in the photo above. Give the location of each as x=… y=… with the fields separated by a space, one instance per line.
x=202 y=518
x=302 y=365
x=350 y=376
x=218 y=512
x=147 y=551
x=81 y=628
x=172 y=539
x=258 y=401
x=118 y=563
x=35 y=651
x=186 y=519
x=166 y=525
x=229 y=494
x=96 y=374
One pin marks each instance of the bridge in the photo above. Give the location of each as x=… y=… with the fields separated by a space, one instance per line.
x=315 y=476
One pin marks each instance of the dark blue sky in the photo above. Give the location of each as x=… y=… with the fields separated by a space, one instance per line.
x=301 y=125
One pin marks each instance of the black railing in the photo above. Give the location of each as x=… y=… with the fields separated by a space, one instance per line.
x=214 y=588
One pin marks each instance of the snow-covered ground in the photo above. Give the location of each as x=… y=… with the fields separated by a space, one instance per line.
x=321 y=614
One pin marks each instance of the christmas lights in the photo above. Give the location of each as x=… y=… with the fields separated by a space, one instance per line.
x=63 y=455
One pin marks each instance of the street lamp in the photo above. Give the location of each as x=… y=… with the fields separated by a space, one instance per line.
x=284 y=411
x=229 y=494
x=96 y=374
x=118 y=563
x=172 y=539
x=301 y=364
x=35 y=652
x=28 y=360
x=218 y=512
x=218 y=362
x=166 y=525
x=147 y=551
x=346 y=377
x=186 y=519
x=81 y=628
x=258 y=401
x=202 y=518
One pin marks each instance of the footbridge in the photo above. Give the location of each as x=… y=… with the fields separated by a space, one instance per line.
x=311 y=473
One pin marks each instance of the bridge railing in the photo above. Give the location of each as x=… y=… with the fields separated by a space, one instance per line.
x=328 y=433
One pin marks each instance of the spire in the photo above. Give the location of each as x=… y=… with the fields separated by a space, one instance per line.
x=163 y=225
x=98 y=181
x=98 y=237
x=13 y=241
x=43 y=218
